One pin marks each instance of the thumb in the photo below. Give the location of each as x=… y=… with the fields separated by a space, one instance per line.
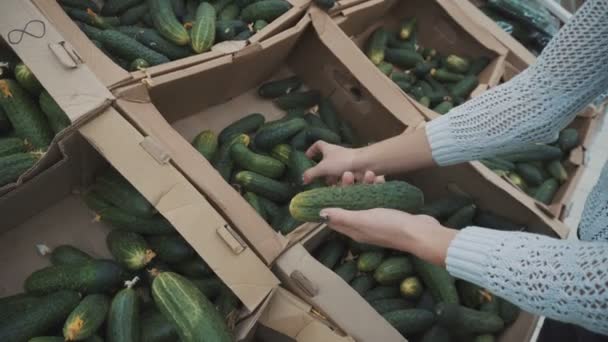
x=313 y=173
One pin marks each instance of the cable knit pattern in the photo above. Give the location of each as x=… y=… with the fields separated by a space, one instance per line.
x=594 y=222
x=561 y=279
x=534 y=106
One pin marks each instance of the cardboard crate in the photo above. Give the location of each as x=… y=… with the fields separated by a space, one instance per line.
x=111 y=75
x=441 y=25
x=301 y=273
x=71 y=84
x=49 y=210
x=179 y=105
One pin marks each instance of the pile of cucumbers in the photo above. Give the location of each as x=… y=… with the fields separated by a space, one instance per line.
x=156 y=289
x=421 y=300
x=538 y=169
x=266 y=160
x=435 y=81
x=137 y=34
x=29 y=117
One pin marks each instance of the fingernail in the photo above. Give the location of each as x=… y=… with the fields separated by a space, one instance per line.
x=324 y=217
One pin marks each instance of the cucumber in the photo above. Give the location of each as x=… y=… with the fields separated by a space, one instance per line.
x=436 y=334
x=478 y=65
x=166 y=23
x=459 y=318
x=9 y=146
x=138 y=64
x=230 y=12
x=14 y=165
x=445 y=206
x=530 y=173
x=129 y=49
x=179 y=8
x=302 y=99
x=170 y=248
x=223 y=163
x=444 y=107
x=49 y=312
x=206 y=143
x=221 y=4
x=153 y=40
x=271 y=209
x=437 y=280
x=534 y=152
x=393 y=270
x=328 y=114
x=458 y=64
x=81 y=4
x=382 y=292
x=93 y=18
x=259 y=25
x=498 y=164
x=86 y=318
x=25 y=116
x=325 y=4
x=156 y=328
x=254 y=201
x=392 y=304
x=202 y=34
x=267 y=10
x=490 y=220
x=411 y=288
x=116 y=190
x=227 y=304
x=556 y=170
x=134 y=14
x=385 y=67
x=297 y=165
x=404 y=58
x=46 y=339
x=546 y=191
x=426 y=301
x=331 y=252
x=192 y=315
x=508 y=311
x=114 y=7
x=26 y=79
x=284 y=222
x=377 y=45
x=314 y=134
x=269 y=137
x=347 y=271
x=410 y=321
x=258 y=163
x=247 y=124
x=69 y=255
x=395 y=42
x=347 y=134
x=307 y=205
x=464 y=87
x=568 y=139
x=407 y=28
x=422 y=69
x=15 y=304
x=210 y=287
x=462 y=218
x=492 y=306
x=280 y=87
x=282 y=153
x=363 y=283
x=123 y=317
x=369 y=261
x=196 y=267
x=299 y=142
x=264 y=186
x=129 y=249
x=5 y=124
x=315 y=121
x=229 y=29
x=485 y=338
x=358 y=247
x=471 y=295
x=443 y=75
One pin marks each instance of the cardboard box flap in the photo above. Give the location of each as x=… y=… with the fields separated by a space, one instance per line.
x=363 y=323
x=332 y=36
x=291 y=316
x=56 y=64
x=178 y=200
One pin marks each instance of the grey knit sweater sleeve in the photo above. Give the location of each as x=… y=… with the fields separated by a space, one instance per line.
x=535 y=105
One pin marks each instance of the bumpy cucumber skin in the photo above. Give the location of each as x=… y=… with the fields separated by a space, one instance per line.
x=129 y=249
x=264 y=186
x=393 y=270
x=223 y=162
x=276 y=88
x=410 y=321
x=206 y=142
x=13 y=166
x=129 y=49
x=68 y=255
x=255 y=203
x=86 y=318
x=546 y=191
x=331 y=253
x=170 y=248
x=347 y=271
x=269 y=137
x=203 y=30
x=114 y=7
x=9 y=146
x=58 y=119
x=166 y=23
x=153 y=40
x=247 y=124
x=363 y=283
x=156 y=328
x=437 y=280
x=377 y=45
x=134 y=14
x=267 y=10
x=466 y=320
x=25 y=77
x=261 y=164
x=123 y=317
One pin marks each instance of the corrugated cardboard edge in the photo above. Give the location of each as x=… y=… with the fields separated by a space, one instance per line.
x=176 y=199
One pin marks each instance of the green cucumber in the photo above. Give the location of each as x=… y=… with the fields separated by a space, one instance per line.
x=46 y=339
x=5 y=124
x=347 y=271
x=369 y=261
x=568 y=139
x=247 y=124
x=223 y=163
x=134 y=14
x=264 y=186
x=325 y=4
x=14 y=165
x=114 y=7
x=534 y=152
x=282 y=153
x=331 y=252
x=267 y=10
x=444 y=107
x=287 y=224
x=407 y=28
x=116 y=190
x=210 y=287
x=470 y=294
x=403 y=58
x=436 y=334
x=229 y=12
x=68 y=255
x=445 y=206
x=458 y=64
x=443 y=75
x=485 y=338
x=227 y=304
x=156 y=328
x=58 y=119
x=410 y=321
x=9 y=146
x=229 y=29
x=459 y=318
x=498 y=164
x=464 y=87
x=179 y=8
x=347 y=134
x=363 y=283
x=302 y=99
x=411 y=288
x=328 y=114
x=129 y=249
x=138 y=64
x=26 y=79
x=490 y=220
x=437 y=280
x=271 y=209
x=90 y=17
x=400 y=195
x=297 y=165
x=385 y=67
x=258 y=163
x=556 y=170
x=81 y=4
x=393 y=270
x=462 y=218
x=546 y=191
x=254 y=202
x=395 y=42
x=478 y=65
x=86 y=318
x=202 y=34
x=166 y=23
x=280 y=87
x=206 y=143
x=128 y=48
x=170 y=248
x=153 y=40
x=269 y=137
x=123 y=317
x=530 y=173
x=392 y=304
x=377 y=45
x=196 y=267
x=382 y=292
x=315 y=121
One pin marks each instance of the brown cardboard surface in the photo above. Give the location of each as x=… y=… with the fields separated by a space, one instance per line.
x=214 y=94
x=177 y=200
x=441 y=25
x=113 y=76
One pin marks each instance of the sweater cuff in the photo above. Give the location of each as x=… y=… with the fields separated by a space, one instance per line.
x=443 y=146
x=469 y=252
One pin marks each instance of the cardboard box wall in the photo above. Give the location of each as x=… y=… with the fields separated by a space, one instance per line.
x=71 y=84
x=111 y=75
x=48 y=210
x=212 y=95
x=440 y=24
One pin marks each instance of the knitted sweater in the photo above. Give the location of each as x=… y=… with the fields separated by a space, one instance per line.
x=561 y=279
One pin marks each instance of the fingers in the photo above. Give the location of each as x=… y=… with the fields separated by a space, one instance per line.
x=339 y=219
x=314 y=173
x=379 y=180
x=316 y=149
x=369 y=177
x=348 y=178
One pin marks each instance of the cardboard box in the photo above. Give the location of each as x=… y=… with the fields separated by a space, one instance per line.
x=301 y=273
x=111 y=75
x=57 y=66
x=212 y=95
x=441 y=25
x=48 y=210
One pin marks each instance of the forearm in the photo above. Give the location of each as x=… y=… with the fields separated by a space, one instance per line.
x=405 y=152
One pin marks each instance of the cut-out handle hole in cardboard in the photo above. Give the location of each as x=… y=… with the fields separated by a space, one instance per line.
x=348 y=84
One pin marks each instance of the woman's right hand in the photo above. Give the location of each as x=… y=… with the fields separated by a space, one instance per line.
x=336 y=161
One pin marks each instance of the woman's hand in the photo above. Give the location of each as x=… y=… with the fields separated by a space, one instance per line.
x=336 y=161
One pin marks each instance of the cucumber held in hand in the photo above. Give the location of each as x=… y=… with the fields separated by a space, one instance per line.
x=399 y=195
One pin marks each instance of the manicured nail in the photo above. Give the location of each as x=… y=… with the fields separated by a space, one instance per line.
x=324 y=217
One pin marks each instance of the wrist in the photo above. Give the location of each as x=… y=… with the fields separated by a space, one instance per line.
x=430 y=241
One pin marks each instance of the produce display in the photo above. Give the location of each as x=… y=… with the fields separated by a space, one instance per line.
x=538 y=170
x=266 y=160
x=420 y=300
x=154 y=289
x=436 y=81
x=137 y=34
x=29 y=118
